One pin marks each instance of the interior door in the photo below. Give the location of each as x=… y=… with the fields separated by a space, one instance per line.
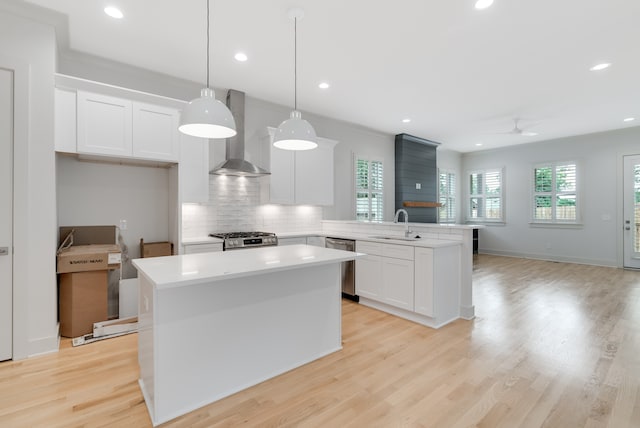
x=631 y=201
x=6 y=213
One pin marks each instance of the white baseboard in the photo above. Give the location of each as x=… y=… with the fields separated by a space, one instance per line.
x=551 y=258
x=467 y=312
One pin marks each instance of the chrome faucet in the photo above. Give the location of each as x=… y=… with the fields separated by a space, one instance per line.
x=407 y=231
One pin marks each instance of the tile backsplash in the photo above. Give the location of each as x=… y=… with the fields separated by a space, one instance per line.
x=235 y=205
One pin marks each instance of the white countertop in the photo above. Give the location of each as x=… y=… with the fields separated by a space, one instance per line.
x=390 y=223
x=427 y=243
x=191 y=269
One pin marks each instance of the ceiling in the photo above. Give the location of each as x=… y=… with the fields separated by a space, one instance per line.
x=460 y=74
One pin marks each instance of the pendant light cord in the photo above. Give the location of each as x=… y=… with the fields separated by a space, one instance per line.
x=295 y=63
x=208 y=36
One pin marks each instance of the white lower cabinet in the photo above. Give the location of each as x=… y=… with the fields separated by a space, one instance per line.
x=437 y=283
x=424 y=281
x=298 y=240
x=397 y=282
x=316 y=241
x=368 y=275
x=421 y=284
x=202 y=248
x=384 y=277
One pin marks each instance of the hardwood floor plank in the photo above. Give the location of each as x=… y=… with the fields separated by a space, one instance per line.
x=553 y=345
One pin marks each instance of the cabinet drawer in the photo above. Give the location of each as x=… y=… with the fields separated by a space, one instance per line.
x=202 y=248
x=404 y=252
x=368 y=247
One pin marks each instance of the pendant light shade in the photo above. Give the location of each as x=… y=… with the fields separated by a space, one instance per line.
x=295 y=133
x=207 y=117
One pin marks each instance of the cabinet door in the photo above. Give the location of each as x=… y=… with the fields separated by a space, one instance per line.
x=155 y=132
x=65 y=121
x=424 y=281
x=194 y=169
x=282 y=186
x=300 y=240
x=316 y=241
x=314 y=175
x=369 y=277
x=104 y=125
x=397 y=282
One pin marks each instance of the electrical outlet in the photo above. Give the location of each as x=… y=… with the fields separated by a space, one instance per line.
x=418 y=186
x=123 y=224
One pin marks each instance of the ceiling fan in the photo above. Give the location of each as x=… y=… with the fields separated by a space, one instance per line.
x=519 y=131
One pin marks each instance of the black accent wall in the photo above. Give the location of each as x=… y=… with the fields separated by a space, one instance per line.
x=416 y=163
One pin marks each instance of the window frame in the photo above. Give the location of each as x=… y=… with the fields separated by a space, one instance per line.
x=484 y=197
x=554 y=221
x=450 y=197
x=356 y=190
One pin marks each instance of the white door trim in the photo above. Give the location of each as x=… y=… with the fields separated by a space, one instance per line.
x=21 y=70
x=630 y=259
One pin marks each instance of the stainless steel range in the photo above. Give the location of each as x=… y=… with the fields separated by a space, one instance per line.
x=236 y=240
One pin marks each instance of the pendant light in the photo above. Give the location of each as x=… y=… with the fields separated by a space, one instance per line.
x=207 y=117
x=295 y=133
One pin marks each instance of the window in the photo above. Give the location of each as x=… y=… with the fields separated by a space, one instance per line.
x=369 y=189
x=447 y=196
x=486 y=196
x=555 y=196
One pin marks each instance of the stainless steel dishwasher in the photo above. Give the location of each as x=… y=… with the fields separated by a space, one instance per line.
x=347 y=269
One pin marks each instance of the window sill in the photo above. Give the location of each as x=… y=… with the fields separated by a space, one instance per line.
x=486 y=223
x=556 y=225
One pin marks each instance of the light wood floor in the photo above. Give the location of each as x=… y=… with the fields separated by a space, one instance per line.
x=554 y=345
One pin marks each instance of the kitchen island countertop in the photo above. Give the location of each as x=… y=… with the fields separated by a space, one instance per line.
x=191 y=269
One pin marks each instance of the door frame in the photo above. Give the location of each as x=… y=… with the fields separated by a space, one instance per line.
x=21 y=69
x=620 y=194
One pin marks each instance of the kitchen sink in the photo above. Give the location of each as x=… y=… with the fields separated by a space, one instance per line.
x=397 y=238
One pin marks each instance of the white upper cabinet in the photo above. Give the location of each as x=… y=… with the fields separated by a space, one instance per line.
x=113 y=126
x=194 y=169
x=301 y=177
x=155 y=132
x=104 y=125
x=65 y=121
x=282 y=179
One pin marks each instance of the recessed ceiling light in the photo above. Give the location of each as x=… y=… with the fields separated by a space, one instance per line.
x=478 y=144
x=323 y=85
x=629 y=119
x=406 y=120
x=601 y=66
x=241 y=56
x=113 y=12
x=483 y=4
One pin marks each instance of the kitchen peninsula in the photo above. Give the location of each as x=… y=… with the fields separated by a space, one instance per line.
x=213 y=324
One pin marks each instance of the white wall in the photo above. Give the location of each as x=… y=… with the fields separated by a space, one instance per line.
x=598 y=240
x=35 y=301
x=91 y=193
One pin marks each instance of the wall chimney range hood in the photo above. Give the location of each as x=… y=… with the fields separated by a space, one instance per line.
x=235 y=164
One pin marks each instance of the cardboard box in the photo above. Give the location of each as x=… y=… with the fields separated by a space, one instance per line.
x=155 y=249
x=83 y=301
x=82 y=258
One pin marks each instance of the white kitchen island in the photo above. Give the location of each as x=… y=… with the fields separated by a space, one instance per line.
x=213 y=324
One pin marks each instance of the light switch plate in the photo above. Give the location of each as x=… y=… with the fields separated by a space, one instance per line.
x=418 y=186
